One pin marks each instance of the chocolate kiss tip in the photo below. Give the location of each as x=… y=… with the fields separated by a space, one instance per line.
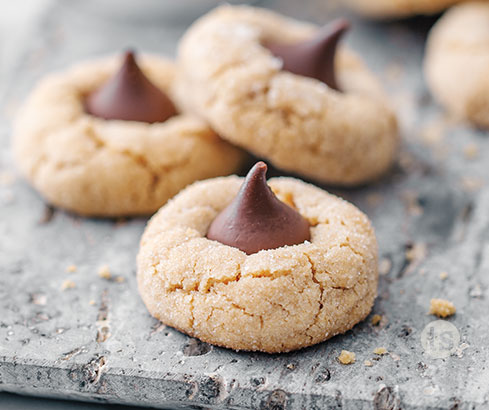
x=129 y=57
x=339 y=25
x=129 y=95
x=256 y=219
x=314 y=57
x=259 y=169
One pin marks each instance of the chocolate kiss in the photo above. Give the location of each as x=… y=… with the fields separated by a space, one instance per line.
x=257 y=219
x=130 y=96
x=314 y=57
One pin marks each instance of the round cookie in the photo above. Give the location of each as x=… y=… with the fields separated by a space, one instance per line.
x=457 y=62
x=298 y=123
x=399 y=8
x=100 y=167
x=275 y=300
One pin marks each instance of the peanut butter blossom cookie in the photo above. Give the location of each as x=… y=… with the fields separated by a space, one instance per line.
x=457 y=62
x=105 y=139
x=399 y=8
x=282 y=90
x=254 y=266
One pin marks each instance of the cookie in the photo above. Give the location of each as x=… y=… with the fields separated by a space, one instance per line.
x=201 y=277
x=232 y=77
x=104 y=139
x=456 y=63
x=399 y=8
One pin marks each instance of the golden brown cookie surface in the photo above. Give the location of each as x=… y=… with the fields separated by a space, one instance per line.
x=298 y=123
x=112 y=167
x=275 y=300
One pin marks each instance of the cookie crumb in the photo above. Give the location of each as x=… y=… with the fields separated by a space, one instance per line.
x=471 y=151
x=470 y=184
x=395 y=357
x=91 y=302
x=441 y=308
x=39 y=299
x=380 y=351
x=71 y=268
x=476 y=291
x=411 y=201
x=385 y=266
x=104 y=272
x=291 y=366
x=460 y=350
x=443 y=275
x=434 y=132
x=346 y=357
x=68 y=284
x=376 y=319
x=120 y=279
x=368 y=363
x=416 y=252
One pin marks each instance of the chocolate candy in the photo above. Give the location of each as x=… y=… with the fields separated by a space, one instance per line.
x=256 y=219
x=314 y=57
x=130 y=96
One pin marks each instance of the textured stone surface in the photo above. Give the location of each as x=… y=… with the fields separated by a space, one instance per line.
x=97 y=342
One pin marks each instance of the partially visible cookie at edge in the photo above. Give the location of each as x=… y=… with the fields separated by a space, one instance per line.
x=456 y=63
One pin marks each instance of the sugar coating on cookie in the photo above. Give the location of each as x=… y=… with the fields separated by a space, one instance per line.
x=457 y=62
x=399 y=8
x=104 y=167
x=275 y=300
x=298 y=123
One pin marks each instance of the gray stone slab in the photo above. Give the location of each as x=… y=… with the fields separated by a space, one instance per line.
x=96 y=342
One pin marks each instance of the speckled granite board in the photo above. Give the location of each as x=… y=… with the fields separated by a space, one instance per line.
x=97 y=342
